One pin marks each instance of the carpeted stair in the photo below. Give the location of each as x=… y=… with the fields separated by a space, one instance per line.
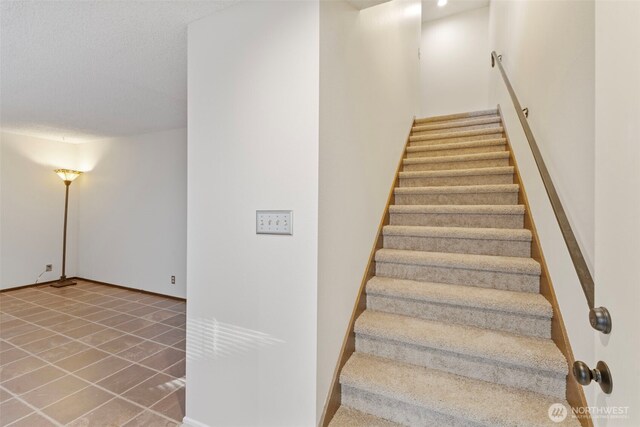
x=455 y=332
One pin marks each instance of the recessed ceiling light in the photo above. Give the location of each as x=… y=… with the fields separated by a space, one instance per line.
x=442 y=3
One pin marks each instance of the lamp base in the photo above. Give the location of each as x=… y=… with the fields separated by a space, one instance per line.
x=62 y=283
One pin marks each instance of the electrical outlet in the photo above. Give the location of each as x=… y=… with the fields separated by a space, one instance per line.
x=49 y=267
x=173 y=280
x=274 y=222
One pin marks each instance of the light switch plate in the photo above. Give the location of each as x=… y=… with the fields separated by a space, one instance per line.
x=274 y=222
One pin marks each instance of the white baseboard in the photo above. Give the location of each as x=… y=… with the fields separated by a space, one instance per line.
x=190 y=422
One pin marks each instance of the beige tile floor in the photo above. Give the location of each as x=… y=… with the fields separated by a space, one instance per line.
x=91 y=355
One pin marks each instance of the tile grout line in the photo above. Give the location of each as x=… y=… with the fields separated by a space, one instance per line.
x=116 y=355
x=88 y=304
x=35 y=410
x=100 y=406
x=96 y=305
x=89 y=384
x=95 y=348
x=145 y=408
x=44 y=385
x=156 y=372
x=79 y=339
x=90 y=345
x=57 y=310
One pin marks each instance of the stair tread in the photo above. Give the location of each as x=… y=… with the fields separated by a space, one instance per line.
x=457 y=145
x=515 y=265
x=349 y=417
x=458 y=209
x=482 y=402
x=457 y=158
x=472 y=189
x=472 y=121
x=458 y=232
x=457 y=134
x=524 y=303
x=457 y=116
x=497 y=170
x=499 y=330
x=519 y=350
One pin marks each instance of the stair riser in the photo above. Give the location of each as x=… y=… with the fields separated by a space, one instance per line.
x=458 y=123
x=397 y=411
x=459 y=116
x=459 y=276
x=484 y=369
x=349 y=417
x=470 y=164
x=459 y=220
x=447 y=139
x=461 y=246
x=457 y=199
x=462 y=315
x=433 y=143
x=416 y=131
x=438 y=181
x=456 y=151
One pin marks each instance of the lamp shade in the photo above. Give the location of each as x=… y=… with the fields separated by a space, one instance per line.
x=67 y=174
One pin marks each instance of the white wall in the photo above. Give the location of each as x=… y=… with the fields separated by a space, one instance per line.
x=548 y=53
x=454 y=53
x=127 y=213
x=369 y=73
x=32 y=201
x=253 y=144
x=618 y=202
x=133 y=211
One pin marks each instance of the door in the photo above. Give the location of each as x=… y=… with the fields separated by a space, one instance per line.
x=617 y=195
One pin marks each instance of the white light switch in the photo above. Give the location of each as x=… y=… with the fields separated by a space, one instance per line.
x=274 y=222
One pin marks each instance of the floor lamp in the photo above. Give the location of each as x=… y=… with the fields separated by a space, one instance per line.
x=67 y=176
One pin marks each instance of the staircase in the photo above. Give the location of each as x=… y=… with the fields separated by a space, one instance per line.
x=455 y=332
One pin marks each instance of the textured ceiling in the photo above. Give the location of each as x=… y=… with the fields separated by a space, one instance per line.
x=86 y=70
x=431 y=10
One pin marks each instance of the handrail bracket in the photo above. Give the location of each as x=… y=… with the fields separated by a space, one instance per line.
x=599 y=317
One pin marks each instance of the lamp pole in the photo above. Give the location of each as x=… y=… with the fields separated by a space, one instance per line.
x=68 y=176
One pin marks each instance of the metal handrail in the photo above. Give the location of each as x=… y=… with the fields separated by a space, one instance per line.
x=579 y=263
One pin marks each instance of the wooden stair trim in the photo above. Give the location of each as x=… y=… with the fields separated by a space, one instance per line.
x=333 y=400
x=575 y=393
